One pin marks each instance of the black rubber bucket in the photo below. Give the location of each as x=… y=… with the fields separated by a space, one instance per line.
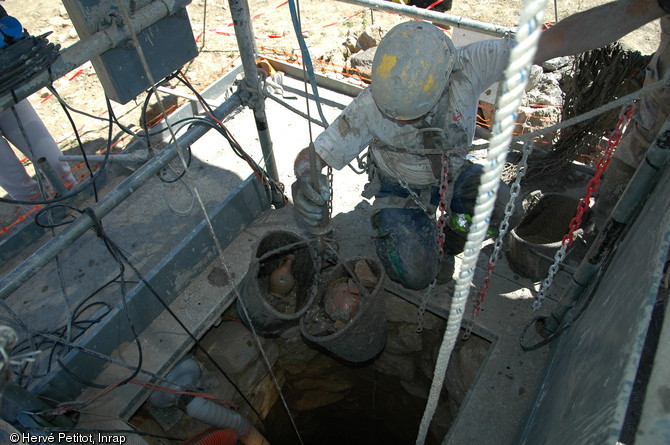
x=363 y=336
x=269 y=313
x=534 y=242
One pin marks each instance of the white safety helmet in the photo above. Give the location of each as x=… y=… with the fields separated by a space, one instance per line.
x=410 y=70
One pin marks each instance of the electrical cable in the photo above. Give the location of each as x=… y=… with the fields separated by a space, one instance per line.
x=277 y=187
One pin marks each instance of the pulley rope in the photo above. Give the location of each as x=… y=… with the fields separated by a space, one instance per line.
x=215 y=237
x=516 y=77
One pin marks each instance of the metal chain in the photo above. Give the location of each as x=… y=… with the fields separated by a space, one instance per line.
x=592 y=186
x=442 y=206
x=546 y=284
x=413 y=195
x=515 y=190
x=330 y=189
x=422 y=307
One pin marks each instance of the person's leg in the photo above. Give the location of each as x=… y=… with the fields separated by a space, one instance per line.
x=40 y=143
x=13 y=176
x=462 y=208
x=406 y=245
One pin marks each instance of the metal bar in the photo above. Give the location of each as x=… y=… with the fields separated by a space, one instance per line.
x=435 y=17
x=53 y=178
x=22 y=273
x=135 y=157
x=239 y=11
x=323 y=81
x=87 y=49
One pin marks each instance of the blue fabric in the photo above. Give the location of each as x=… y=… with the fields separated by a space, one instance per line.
x=465 y=190
x=389 y=189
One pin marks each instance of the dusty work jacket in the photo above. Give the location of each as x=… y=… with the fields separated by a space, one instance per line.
x=362 y=124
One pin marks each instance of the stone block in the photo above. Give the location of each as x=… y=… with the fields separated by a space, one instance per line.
x=401 y=366
x=370 y=37
x=403 y=339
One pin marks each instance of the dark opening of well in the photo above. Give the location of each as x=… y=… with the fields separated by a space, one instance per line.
x=375 y=409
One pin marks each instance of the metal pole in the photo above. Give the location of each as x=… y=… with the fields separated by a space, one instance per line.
x=22 y=273
x=88 y=48
x=53 y=178
x=433 y=16
x=640 y=185
x=239 y=11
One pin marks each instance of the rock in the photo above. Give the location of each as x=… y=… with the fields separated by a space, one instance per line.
x=57 y=22
x=413 y=388
x=464 y=363
x=314 y=399
x=329 y=384
x=399 y=310
x=535 y=118
x=296 y=356
x=401 y=366
x=350 y=44
x=258 y=370
x=233 y=346
x=404 y=339
x=362 y=61
x=536 y=72
x=547 y=92
x=364 y=274
x=552 y=65
x=370 y=37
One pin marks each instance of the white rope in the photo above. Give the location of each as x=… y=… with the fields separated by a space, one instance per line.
x=516 y=77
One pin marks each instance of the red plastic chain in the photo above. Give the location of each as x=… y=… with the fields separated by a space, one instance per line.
x=483 y=289
x=594 y=183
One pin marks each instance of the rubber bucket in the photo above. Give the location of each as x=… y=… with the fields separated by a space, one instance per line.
x=270 y=313
x=363 y=335
x=534 y=242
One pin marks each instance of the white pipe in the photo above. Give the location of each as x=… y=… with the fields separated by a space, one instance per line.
x=225 y=418
x=516 y=77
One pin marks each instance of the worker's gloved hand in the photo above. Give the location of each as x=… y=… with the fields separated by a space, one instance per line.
x=310 y=201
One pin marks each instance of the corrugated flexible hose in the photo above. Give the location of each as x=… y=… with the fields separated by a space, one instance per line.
x=221 y=417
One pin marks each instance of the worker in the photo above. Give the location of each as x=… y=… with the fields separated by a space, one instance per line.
x=21 y=126
x=597 y=27
x=424 y=95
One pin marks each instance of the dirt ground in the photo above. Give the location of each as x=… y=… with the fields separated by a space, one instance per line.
x=328 y=24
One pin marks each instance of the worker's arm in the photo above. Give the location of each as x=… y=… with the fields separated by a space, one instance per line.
x=596 y=27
